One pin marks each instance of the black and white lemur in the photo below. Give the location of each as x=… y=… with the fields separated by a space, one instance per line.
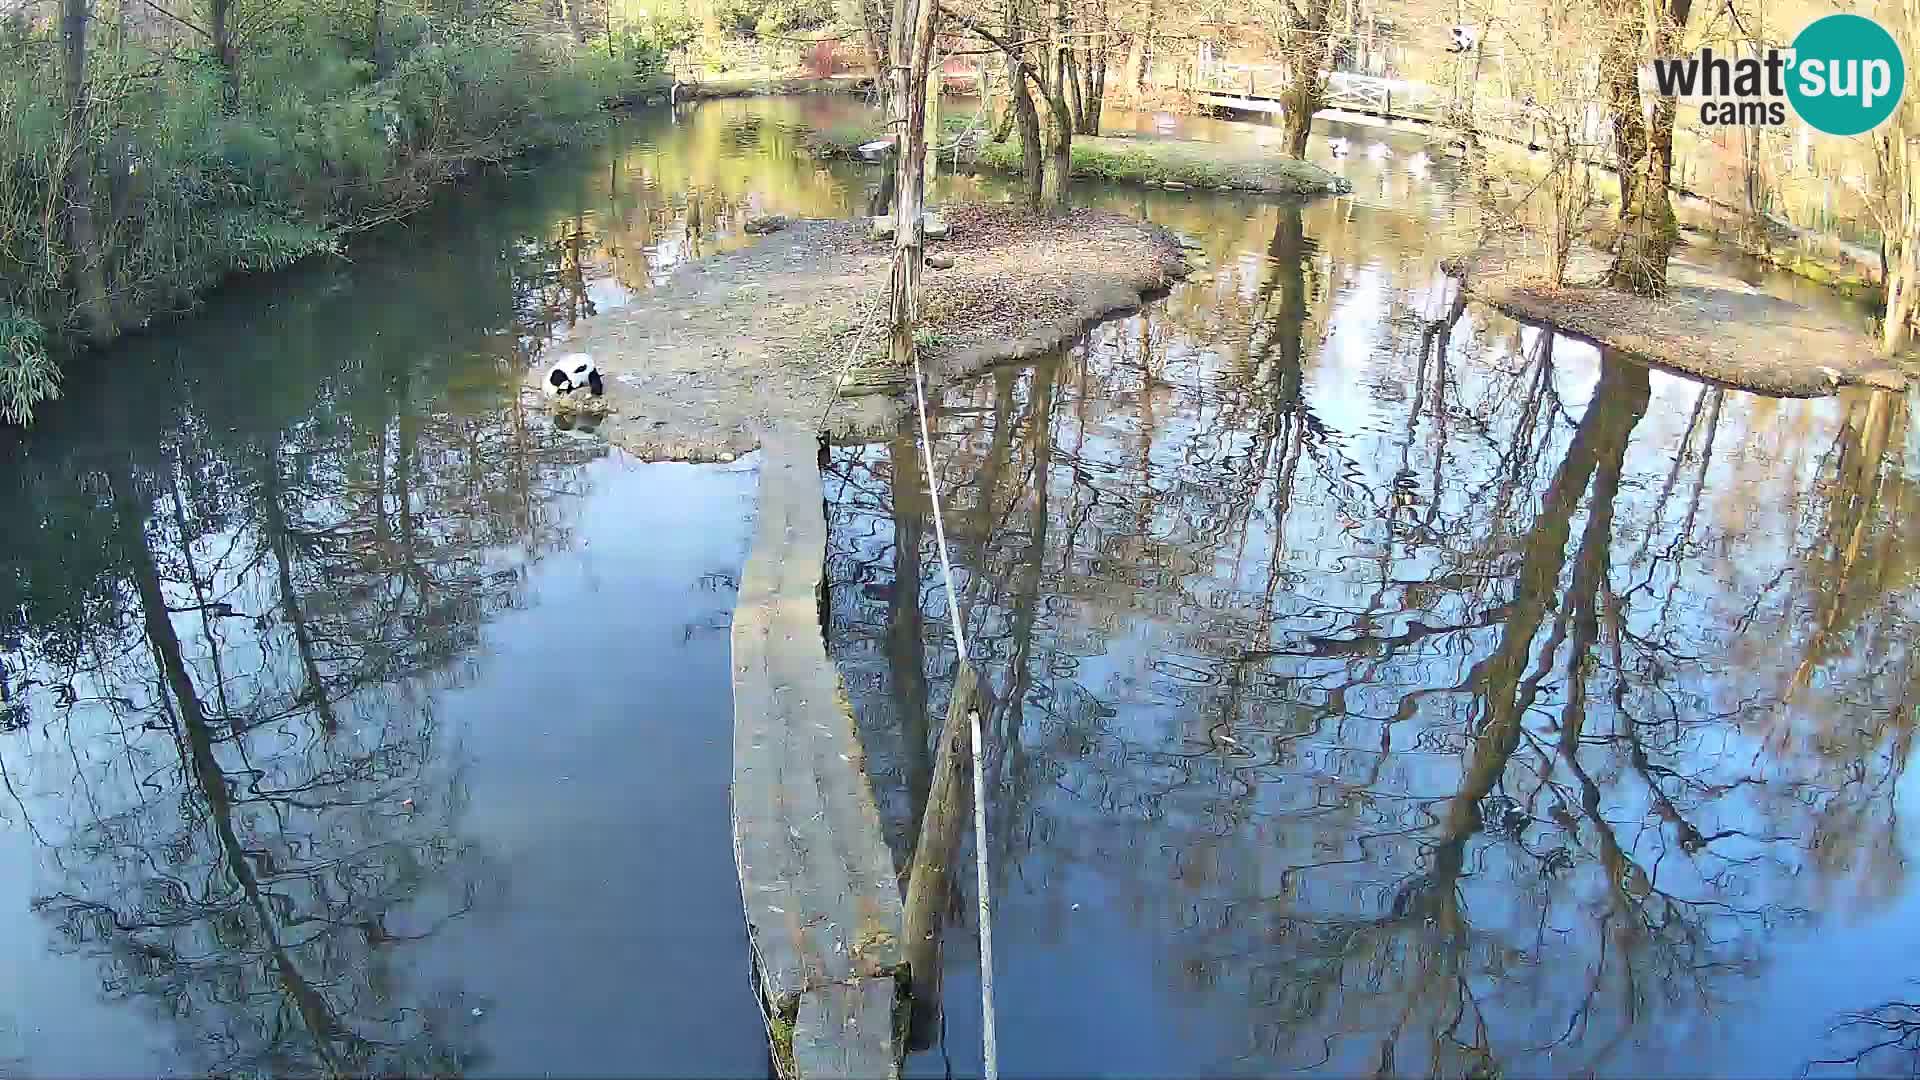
x=573 y=372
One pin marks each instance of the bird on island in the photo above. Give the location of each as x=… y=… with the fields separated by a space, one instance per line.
x=1338 y=146
x=571 y=372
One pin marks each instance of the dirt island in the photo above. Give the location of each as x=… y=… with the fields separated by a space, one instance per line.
x=1709 y=325
x=727 y=348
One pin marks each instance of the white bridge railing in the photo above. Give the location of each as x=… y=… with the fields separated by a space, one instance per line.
x=1345 y=89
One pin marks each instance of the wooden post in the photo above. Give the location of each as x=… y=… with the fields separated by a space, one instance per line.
x=930 y=879
x=912 y=46
x=936 y=82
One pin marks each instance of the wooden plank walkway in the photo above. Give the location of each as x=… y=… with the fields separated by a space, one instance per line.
x=821 y=896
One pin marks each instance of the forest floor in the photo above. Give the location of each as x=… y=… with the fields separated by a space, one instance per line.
x=1709 y=325
x=730 y=347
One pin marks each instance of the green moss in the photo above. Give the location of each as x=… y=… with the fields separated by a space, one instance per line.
x=780 y=1033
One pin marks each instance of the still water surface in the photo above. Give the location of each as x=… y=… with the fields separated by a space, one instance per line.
x=1377 y=685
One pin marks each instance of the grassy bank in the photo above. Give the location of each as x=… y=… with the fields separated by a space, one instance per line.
x=1166 y=163
x=201 y=169
x=1153 y=162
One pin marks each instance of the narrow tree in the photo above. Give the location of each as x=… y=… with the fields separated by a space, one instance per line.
x=1025 y=115
x=1046 y=185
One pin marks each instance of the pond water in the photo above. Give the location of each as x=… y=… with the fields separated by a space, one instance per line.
x=1377 y=684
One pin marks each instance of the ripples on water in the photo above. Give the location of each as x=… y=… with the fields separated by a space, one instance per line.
x=1377 y=684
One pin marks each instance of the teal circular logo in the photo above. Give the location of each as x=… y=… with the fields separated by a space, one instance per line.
x=1846 y=76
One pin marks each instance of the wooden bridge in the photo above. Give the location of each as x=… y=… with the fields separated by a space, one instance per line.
x=1353 y=98
x=1376 y=101
x=822 y=900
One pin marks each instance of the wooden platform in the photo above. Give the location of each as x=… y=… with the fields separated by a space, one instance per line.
x=821 y=896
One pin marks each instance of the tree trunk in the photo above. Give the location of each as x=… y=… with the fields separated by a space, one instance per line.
x=1648 y=230
x=1096 y=92
x=930 y=877
x=222 y=11
x=1144 y=73
x=1026 y=117
x=936 y=75
x=912 y=49
x=1903 y=292
x=382 y=63
x=1075 y=99
x=1306 y=49
x=1056 y=183
x=89 y=277
x=873 y=18
x=1053 y=195
x=1901 y=243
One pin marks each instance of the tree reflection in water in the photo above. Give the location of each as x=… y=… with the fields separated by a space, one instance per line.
x=224 y=634
x=1433 y=694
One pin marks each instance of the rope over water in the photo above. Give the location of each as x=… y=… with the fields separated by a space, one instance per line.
x=989 y=1044
x=990 y=1048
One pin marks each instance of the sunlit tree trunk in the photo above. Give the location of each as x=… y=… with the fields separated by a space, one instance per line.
x=1306 y=43
x=1076 y=100
x=1056 y=183
x=1648 y=230
x=936 y=76
x=1096 y=94
x=1143 y=73
x=1900 y=225
x=912 y=49
x=1026 y=115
